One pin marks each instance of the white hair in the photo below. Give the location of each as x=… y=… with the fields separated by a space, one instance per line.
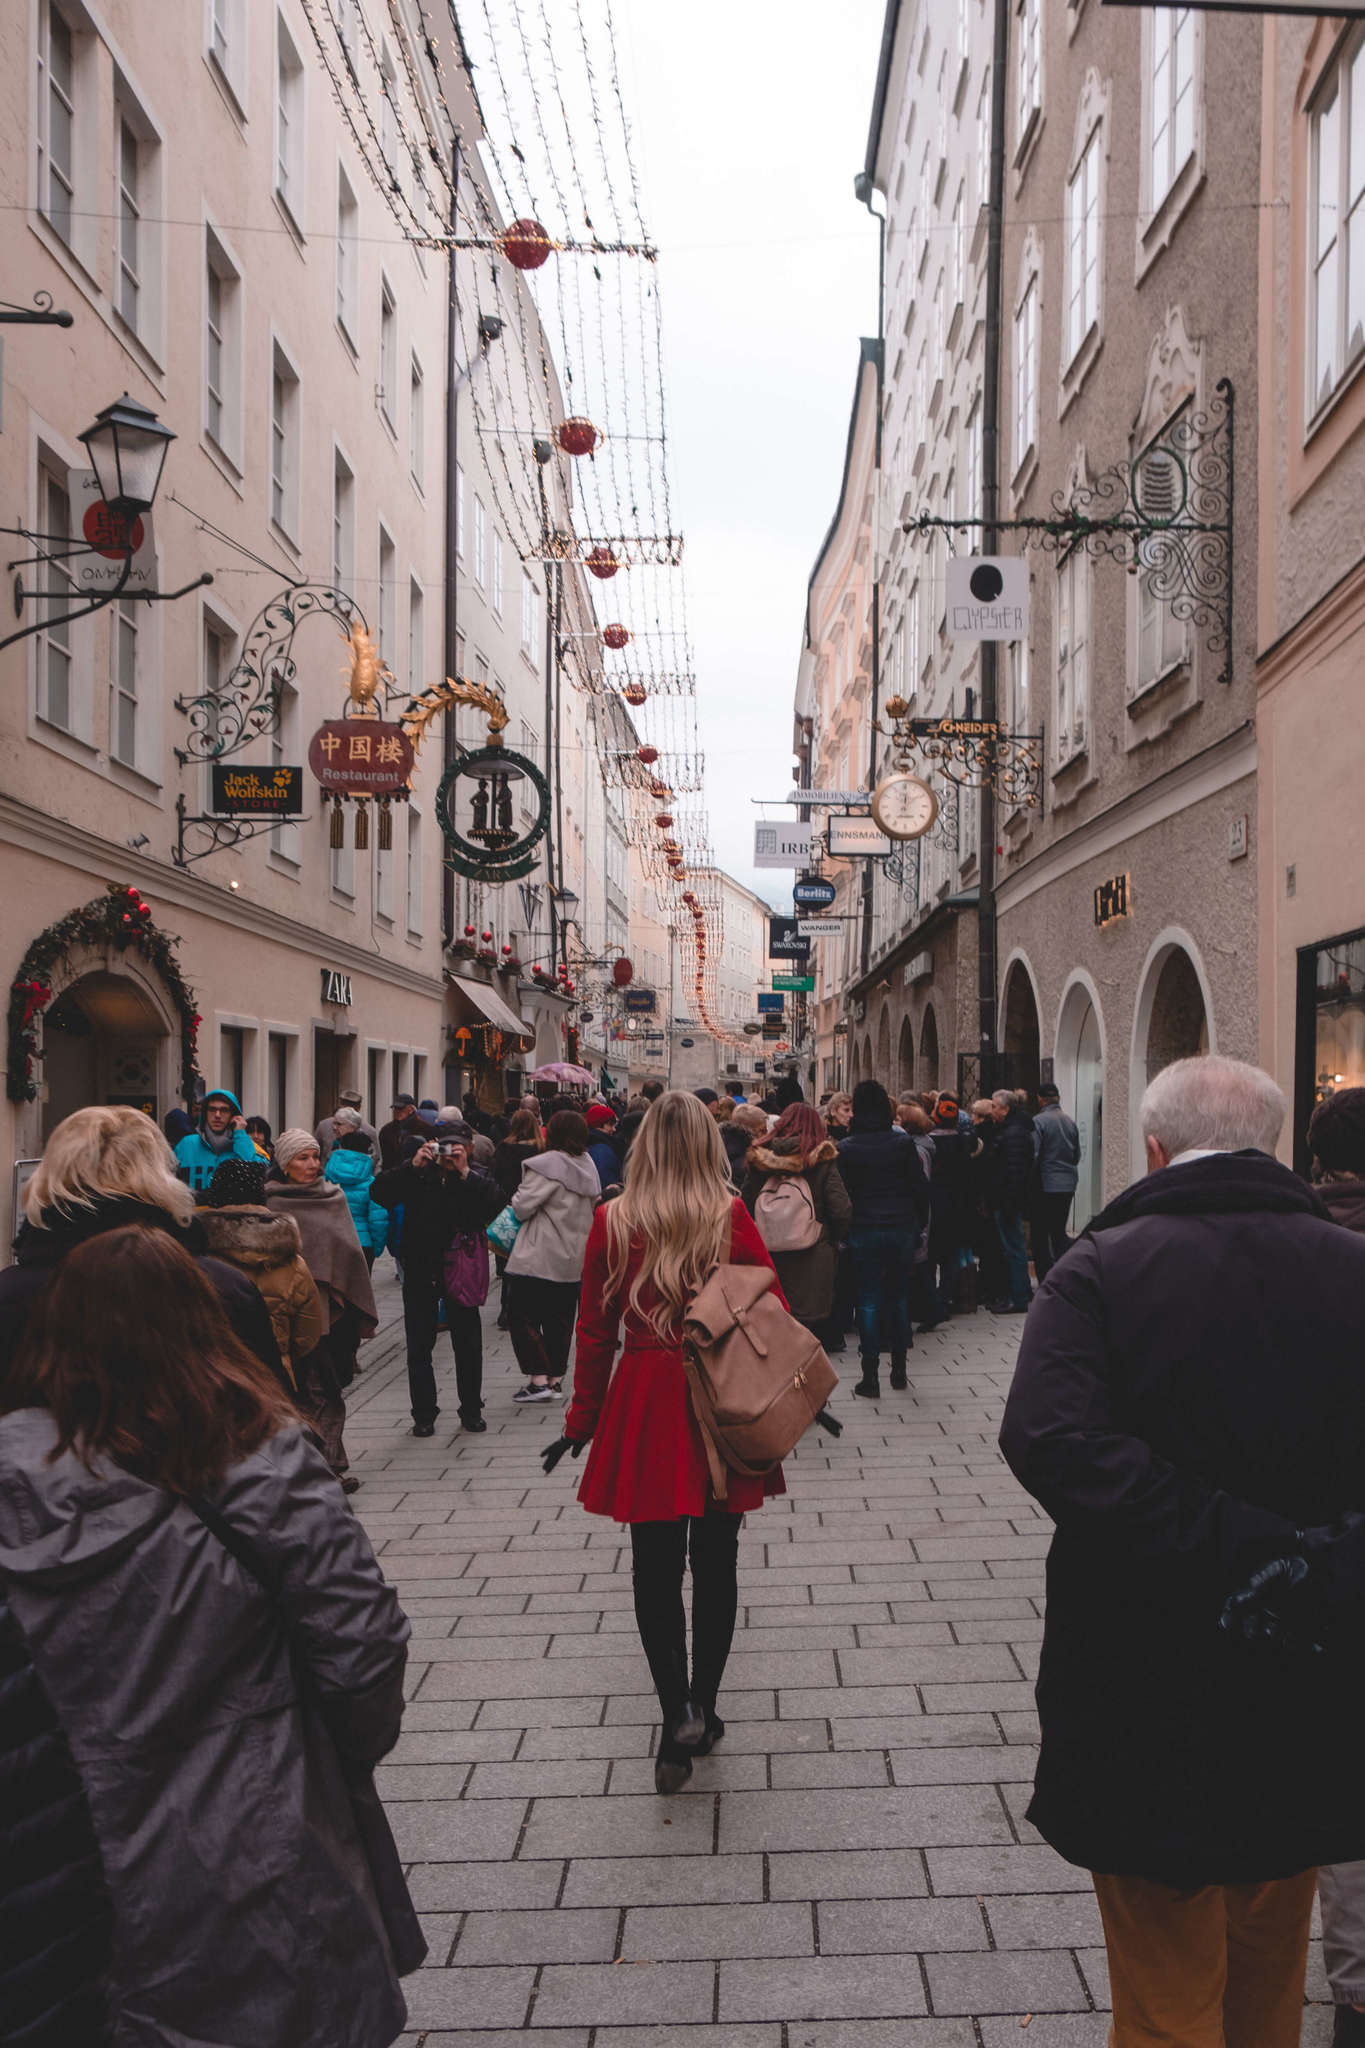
x=1213 y=1104
x=347 y=1119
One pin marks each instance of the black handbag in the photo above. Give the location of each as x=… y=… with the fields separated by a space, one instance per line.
x=407 y=1942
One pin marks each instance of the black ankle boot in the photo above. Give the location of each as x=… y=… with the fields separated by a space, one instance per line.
x=869 y=1386
x=715 y=1729
x=687 y=1727
x=898 y=1380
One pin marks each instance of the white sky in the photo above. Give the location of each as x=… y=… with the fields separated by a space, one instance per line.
x=750 y=121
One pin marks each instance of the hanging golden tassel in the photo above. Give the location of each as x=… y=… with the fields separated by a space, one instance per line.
x=385 y=825
x=362 y=825
x=337 y=835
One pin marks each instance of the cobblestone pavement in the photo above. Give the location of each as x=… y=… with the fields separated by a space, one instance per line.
x=852 y=1868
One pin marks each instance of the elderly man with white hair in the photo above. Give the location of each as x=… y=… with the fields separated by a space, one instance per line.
x=1189 y=1408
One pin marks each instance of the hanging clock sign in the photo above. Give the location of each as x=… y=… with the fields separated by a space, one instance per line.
x=904 y=807
x=479 y=807
x=361 y=757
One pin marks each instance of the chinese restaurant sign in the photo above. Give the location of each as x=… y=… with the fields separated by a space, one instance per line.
x=361 y=757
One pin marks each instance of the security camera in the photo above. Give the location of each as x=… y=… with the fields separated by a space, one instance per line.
x=138 y=841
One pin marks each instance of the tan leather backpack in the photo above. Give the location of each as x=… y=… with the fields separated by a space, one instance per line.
x=756 y=1376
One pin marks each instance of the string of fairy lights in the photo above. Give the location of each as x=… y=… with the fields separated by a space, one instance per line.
x=543 y=200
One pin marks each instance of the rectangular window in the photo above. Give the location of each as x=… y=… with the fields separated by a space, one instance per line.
x=343 y=524
x=1162 y=638
x=983 y=142
x=232 y=1058
x=496 y=566
x=480 y=542
x=959 y=246
x=56 y=692
x=530 y=615
x=1026 y=373
x=1083 y=247
x=388 y=595
x=972 y=476
x=129 y=226
x=222 y=349
x=290 y=151
x=123 y=719
x=277 y=1057
x=284 y=444
x=1030 y=46
x=388 y=353
x=56 y=121
x=226 y=30
x=1019 y=686
x=388 y=111
x=286 y=840
x=383 y=881
x=1073 y=654
x=1172 y=97
x=414 y=872
x=459 y=511
x=417 y=657
x=1337 y=225
x=348 y=255
x=417 y=423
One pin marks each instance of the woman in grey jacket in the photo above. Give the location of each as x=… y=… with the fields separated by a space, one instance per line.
x=224 y=1655
x=555 y=1201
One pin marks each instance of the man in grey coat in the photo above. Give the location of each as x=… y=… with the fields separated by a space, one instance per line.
x=1057 y=1157
x=326 y=1132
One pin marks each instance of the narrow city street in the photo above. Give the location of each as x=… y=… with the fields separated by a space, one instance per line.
x=853 y=1864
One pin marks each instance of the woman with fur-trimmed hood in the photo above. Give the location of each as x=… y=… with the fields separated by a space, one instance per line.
x=797 y=1146
x=267 y=1248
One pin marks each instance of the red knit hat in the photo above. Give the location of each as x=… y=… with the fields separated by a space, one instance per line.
x=945 y=1110
x=599 y=1116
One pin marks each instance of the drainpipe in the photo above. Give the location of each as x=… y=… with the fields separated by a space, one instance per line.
x=988 y=963
x=450 y=650
x=862 y=191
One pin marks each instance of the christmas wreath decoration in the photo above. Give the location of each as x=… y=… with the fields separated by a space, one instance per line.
x=121 y=918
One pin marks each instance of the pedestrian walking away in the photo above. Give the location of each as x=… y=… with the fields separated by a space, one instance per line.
x=332 y=1254
x=267 y=1248
x=1188 y=1407
x=1057 y=1160
x=951 y=1191
x=222 y=1134
x=554 y=1203
x=102 y=1168
x=796 y=1195
x=603 y=1148
x=350 y=1166
x=207 y=1617
x=648 y=1254
x=447 y=1205
x=880 y=1167
x=1010 y=1170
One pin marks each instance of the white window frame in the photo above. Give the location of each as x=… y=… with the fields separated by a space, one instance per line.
x=225 y=47
x=75 y=167
x=285 y=442
x=1336 y=228
x=417 y=628
x=459 y=512
x=1071 y=666
x=343 y=521
x=291 y=126
x=480 y=542
x=388 y=354
x=971 y=468
x=1029 y=72
x=412 y=891
x=125 y=683
x=348 y=257
x=388 y=111
x=417 y=421
x=223 y=430
x=957 y=295
x=495 y=558
x=59 y=646
x=530 y=616
x=1026 y=372
x=283 y=745
x=386 y=610
x=1084 y=248
x=1171 y=85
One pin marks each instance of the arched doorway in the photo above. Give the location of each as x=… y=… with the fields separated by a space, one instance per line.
x=103 y=1041
x=883 y=1067
x=1178 y=1028
x=869 y=1072
x=905 y=1058
x=1080 y=1078
x=1021 y=1036
x=928 y=1050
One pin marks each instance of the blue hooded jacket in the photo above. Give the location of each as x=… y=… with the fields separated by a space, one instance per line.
x=197 y=1159
x=353 y=1173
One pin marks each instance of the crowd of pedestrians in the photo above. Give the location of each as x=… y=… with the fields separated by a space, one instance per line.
x=199 y=1654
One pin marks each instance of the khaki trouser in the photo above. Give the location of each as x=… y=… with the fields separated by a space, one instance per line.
x=1222 y=1967
x=1341 y=1887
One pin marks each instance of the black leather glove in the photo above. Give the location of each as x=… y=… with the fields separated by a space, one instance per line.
x=552 y=1453
x=1277 y=1608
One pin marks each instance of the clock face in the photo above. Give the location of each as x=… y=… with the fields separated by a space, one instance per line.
x=904 y=807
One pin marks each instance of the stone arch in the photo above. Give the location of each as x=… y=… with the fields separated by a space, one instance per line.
x=882 y=1070
x=1172 y=1019
x=1080 y=1066
x=869 y=1071
x=928 y=1049
x=1020 y=1028
x=855 y=1073
x=109 y=1035
x=905 y=1057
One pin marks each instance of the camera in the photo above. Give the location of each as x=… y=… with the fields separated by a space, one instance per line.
x=448 y=1147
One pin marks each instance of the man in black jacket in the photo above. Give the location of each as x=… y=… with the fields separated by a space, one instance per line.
x=1012 y=1164
x=1189 y=1408
x=443 y=1198
x=880 y=1167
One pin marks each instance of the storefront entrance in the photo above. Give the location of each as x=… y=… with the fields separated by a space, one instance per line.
x=331 y=1062
x=103 y=1042
x=1080 y=1077
x=1329 y=1028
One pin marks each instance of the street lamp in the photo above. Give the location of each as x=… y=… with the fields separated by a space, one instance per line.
x=127 y=448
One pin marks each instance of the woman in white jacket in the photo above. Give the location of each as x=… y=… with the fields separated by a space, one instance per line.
x=558 y=1194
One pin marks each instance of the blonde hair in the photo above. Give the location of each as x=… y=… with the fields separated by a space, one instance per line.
x=722 y=1109
x=677 y=1205
x=840 y=1099
x=99 y=1154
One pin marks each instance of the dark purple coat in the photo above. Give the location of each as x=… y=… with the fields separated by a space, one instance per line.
x=1190 y=1390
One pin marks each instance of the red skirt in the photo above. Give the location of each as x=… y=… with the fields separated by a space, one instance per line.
x=647 y=1460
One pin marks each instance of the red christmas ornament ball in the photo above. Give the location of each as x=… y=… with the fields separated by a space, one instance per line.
x=487 y=937
x=649 y=755
x=664 y=821
x=508 y=947
x=577 y=436
x=525 y=244
x=635 y=693
x=616 y=636
x=600 y=561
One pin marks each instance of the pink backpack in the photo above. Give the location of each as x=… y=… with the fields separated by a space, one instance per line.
x=785 y=1214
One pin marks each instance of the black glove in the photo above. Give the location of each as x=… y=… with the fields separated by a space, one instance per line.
x=552 y=1453
x=830 y=1422
x=1277 y=1608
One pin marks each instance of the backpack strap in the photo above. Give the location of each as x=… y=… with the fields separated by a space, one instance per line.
x=701 y=1408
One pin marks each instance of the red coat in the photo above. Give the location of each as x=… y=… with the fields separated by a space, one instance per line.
x=648 y=1461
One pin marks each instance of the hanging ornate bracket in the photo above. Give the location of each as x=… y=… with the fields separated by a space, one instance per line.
x=1165 y=514
x=973 y=753
x=215 y=833
x=446 y=696
x=246 y=705
x=39 y=314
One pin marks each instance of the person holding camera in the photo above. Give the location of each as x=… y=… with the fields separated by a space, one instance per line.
x=447 y=1205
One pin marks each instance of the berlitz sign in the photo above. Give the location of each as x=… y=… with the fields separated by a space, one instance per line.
x=987 y=597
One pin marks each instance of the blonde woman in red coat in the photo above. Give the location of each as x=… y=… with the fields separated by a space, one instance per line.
x=648 y=1253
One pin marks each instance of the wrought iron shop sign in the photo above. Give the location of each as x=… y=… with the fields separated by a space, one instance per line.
x=257 y=792
x=1112 y=900
x=481 y=807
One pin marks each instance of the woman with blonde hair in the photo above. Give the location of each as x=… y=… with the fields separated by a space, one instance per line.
x=100 y=1169
x=648 y=1254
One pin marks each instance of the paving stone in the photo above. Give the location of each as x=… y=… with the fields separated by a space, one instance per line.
x=484 y=1887
x=604 y=1995
x=830 y=1767
x=547 y=1779
x=900 y=1926
x=543 y=1744
x=567 y=2037
x=1026 y=1981
x=1002 y=1764
x=927 y=1666
x=550 y=1679
x=881 y=2034
x=453 y=1746
x=1053 y=2030
x=928 y=1731
x=1003 y=1870
x=846 y=1874
x=456 y=1830
x=821 y=1987
x=667 y=1881
x=883 y=1819
x=537 y=1713
x=662 y=1933
x=643 y=1826
x=664 y=2036
x=555 y=1937
x=471 y=1998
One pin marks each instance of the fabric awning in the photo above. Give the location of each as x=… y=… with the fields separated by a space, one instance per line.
x=488 y=1004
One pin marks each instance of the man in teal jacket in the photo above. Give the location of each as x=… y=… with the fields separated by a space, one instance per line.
x=221 y=1135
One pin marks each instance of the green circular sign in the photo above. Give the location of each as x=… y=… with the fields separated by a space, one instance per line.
x=477 y=805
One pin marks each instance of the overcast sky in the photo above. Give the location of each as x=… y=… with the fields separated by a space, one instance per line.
x=750 y=121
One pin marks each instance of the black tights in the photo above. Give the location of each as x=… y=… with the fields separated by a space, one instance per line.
x=659 y=1551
